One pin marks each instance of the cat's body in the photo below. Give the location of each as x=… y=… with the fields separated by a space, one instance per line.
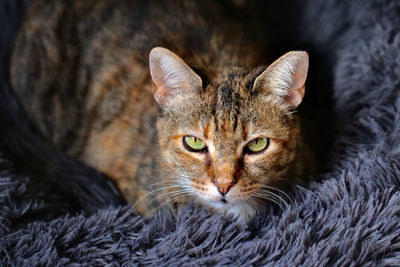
x=81 y=70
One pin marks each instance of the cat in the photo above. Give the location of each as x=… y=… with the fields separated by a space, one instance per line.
x=173 y=100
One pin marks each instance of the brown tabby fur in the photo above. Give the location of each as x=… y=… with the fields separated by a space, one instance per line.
x=80 y=69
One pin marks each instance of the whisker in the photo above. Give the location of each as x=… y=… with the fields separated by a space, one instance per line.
x=274 y=195
x=278 y=198
x=279 y=190
x=175 y=197
x=272 y=200
x=271 y=197
x=179 y=195
x=172 y=182
x=152 y=192
x=176 y=180
x=173 y=193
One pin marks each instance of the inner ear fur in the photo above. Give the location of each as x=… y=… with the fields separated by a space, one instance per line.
x=172 y=77
x=285 y=78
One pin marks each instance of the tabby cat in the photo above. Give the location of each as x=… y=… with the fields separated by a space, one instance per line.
x=170 y=99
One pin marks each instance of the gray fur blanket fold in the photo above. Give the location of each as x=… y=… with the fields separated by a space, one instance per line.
x=55 y=211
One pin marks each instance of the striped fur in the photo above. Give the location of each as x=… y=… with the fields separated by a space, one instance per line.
x=81 y=71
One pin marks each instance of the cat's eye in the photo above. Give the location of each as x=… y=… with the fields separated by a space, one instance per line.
x=194 y=144
x=257 y=145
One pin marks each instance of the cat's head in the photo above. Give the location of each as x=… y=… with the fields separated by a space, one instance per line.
x=229 y=138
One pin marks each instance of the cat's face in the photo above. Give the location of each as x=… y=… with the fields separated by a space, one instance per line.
x=226 y=143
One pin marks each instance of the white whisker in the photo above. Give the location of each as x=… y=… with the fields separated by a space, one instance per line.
x=152 y=192
x=279 y=190
x=272 y=197
x=175 y=197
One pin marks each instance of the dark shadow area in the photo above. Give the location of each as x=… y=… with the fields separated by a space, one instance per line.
x=58 y=183
x=288 y=25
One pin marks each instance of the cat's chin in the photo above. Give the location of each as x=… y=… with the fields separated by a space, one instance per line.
x=238 y=211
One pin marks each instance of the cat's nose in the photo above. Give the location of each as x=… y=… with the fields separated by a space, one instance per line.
x=223 y=188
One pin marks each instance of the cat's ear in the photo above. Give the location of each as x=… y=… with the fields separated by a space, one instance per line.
x=172 y=77
x=286 y=77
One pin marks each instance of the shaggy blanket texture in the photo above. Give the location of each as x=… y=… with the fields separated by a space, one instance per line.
x=55 y=211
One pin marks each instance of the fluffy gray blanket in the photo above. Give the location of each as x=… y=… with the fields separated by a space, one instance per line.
x=55 y=211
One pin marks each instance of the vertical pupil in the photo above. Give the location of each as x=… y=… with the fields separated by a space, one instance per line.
x=195 y=139
x=256 y=141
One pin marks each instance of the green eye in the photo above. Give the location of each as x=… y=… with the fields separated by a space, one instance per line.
x=257 y=145
x=194 y=144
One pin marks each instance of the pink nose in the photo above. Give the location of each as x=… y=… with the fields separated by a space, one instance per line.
x=223 y=188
